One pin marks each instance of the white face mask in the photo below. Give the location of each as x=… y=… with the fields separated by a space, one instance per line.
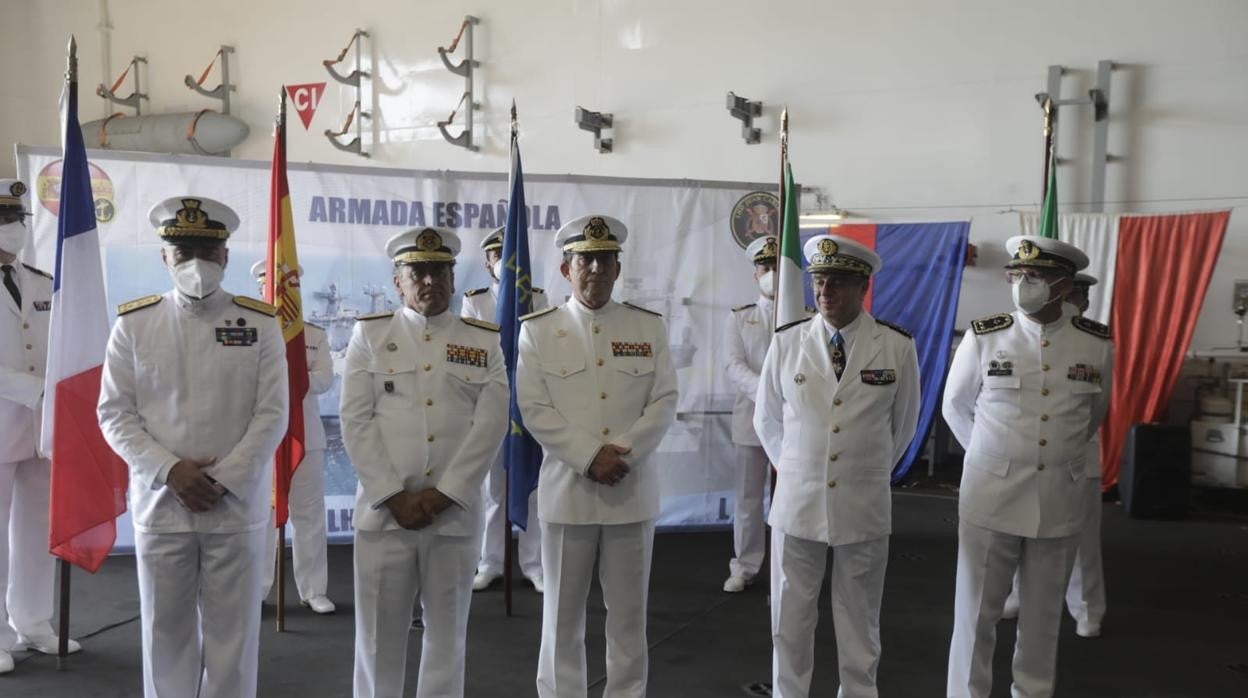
x=1031 y=295
x=12 y=237
x=497 y=269
x=197 y=278
x=767 y=283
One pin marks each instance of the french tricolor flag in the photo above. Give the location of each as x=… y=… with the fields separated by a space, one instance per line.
x=88 y=479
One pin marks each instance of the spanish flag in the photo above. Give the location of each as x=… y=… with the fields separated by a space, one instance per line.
x=281 y=288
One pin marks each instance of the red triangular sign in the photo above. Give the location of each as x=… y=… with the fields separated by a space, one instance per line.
x=306 y=98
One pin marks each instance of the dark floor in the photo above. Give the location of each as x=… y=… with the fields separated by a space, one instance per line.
x=1177 y=623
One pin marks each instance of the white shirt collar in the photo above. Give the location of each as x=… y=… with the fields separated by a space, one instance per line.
x=435 y=322
x=847 y=332
x=200 y=307
x=581 y=312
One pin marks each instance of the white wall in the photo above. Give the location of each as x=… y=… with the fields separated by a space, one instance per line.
x=903 y=110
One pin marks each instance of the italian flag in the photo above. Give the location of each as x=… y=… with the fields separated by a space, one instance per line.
x=790 y=285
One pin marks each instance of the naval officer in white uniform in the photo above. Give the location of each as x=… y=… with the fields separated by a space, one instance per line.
x=26 y=567
x=306 y=501
x=597 y=390
x=837 y=406
x=1085 y=594
x=747 y=336
x=424 y=410
x=194 y=399
x=1026 y=393
x=482 y=304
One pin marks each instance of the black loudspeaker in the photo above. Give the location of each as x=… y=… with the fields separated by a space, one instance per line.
x=1156 y=473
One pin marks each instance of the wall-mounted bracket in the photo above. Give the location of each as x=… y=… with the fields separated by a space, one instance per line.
x=220 y=92
x=466 y=69
x=597 y=122
x=135 y=98
x=355 y=79
x=745 y=110
x=1098 y=99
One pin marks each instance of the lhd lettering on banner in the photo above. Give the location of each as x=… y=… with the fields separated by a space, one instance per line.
x=340 y=520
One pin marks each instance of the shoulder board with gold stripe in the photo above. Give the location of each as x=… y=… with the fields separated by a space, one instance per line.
x=896 y=328
x=539 y=313
x=474 y=292
x=644 y=310
x=992 y=323
x=257 y=305
x=747 y=306
x=40 y=272
x=376 y=316
x=539 y=290
x=795 y=323
x=136 y=304
x=1092 y=327
x=481 y=323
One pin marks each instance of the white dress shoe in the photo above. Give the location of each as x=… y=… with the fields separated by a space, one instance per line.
x=1010 y=612
x=6 y=662
x=482 y=580
x=1086 y=628
x=539 y=584
x=737 y=583
x=47 y=644
x=320 y=604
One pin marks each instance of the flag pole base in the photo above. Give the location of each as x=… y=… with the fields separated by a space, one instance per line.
x=62 y=649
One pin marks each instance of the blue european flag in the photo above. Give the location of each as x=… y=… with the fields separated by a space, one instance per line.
x=522 y=456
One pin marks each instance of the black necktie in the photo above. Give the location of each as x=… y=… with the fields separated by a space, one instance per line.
x=10 y=284
x=838 y=354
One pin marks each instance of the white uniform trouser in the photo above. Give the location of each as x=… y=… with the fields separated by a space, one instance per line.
x=986 y=563
x=392 y=570
x=749 y=527
x=1085 y=595
x=199 y=598
x=307 y=524
x=797 y=567
x=568 y=552
x=26 y=567
x=494 y=490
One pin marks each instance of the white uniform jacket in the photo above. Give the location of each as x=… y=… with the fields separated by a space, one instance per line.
x=424 y=404
x=1024 y=400
x=746 y=340
x=320 y=380
x=482 y=303
x=834 y=442
x=23 y=361
x=587 y=378
x=196 y=379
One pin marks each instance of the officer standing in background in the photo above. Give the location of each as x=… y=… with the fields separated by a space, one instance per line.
x=424 y=410
x=481 y=304
x=838 y=404
x=597 y=390
x=194 y=398
x=1026 y=393
x=26 y=567
x=307 y=486
x=746 y=340
x=1085 y=594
